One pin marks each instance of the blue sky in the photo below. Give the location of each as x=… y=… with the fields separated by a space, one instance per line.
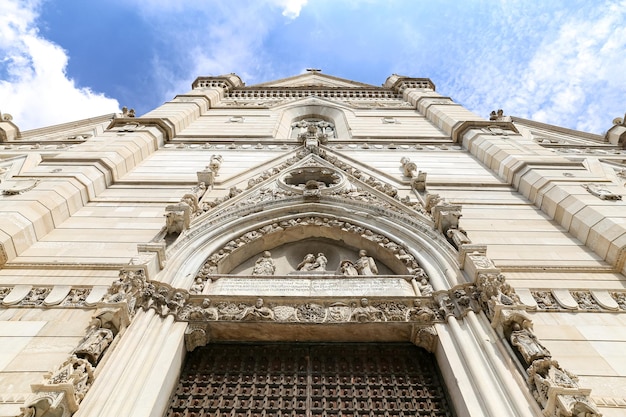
x=561 y=61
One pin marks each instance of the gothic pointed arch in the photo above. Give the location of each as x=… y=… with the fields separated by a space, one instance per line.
x=316 y=199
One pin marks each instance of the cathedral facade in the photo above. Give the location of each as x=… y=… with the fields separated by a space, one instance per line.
x=312 y=246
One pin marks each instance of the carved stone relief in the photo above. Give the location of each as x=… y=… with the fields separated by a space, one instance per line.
x=418 y=178
x=211 y=265
x=62 y=390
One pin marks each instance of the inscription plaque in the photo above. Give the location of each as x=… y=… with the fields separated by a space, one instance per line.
x=366 y=286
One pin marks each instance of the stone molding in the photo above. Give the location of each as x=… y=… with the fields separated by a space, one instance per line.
x=491 y=127
x=139 y=123
x=281 y=93
x=133 y=290
x=587 y=301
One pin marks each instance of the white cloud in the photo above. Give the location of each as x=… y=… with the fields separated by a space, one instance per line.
x=34 y=87
x=550 y=66
x=218 y=40
x=579 y=71
x=291 y=8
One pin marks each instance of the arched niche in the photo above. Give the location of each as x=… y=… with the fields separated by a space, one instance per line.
x=313 y=109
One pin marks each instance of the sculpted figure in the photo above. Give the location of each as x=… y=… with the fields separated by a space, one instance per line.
x=197 y=286
x=94 y=343
x=205 y=311
x=420 y=313
x=257 y=312
x=320 y=262
x=365 y=265
x=307 y=264
x=264 y=265
x=425 y=288
x=366 y=312
x=215 y=163
x=458 y=237
x=527 y=344
x=346 y=267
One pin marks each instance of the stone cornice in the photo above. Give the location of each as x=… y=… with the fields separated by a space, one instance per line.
x=495 y=128
x=161 y=124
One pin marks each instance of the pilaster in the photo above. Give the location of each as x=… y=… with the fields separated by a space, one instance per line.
x=138 y=378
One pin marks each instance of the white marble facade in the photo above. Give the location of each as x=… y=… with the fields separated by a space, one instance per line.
x=312 y=208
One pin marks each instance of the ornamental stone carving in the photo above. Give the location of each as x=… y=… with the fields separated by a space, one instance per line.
x=418 y=178
x=458 y=237
x=346 y=267
x=557 y=391
x=257 y=312
x=264 y=265
x=320 y=130
x=527 y=344
x=62 y=390
x=95 y=342
x=18 y=186
x=312 y=261
x=208 y=174
x=494 y=293
x=364 y=312
x=601 y=192
x=196 y=334
x=425 y=337
x=498 y=116
x=177 y=218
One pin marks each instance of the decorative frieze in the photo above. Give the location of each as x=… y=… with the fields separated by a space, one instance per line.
x=401 y=147
x=277 y=93
x=587 y=301
x=363 y=310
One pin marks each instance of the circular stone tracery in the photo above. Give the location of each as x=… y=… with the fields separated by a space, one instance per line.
x=302 y=179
